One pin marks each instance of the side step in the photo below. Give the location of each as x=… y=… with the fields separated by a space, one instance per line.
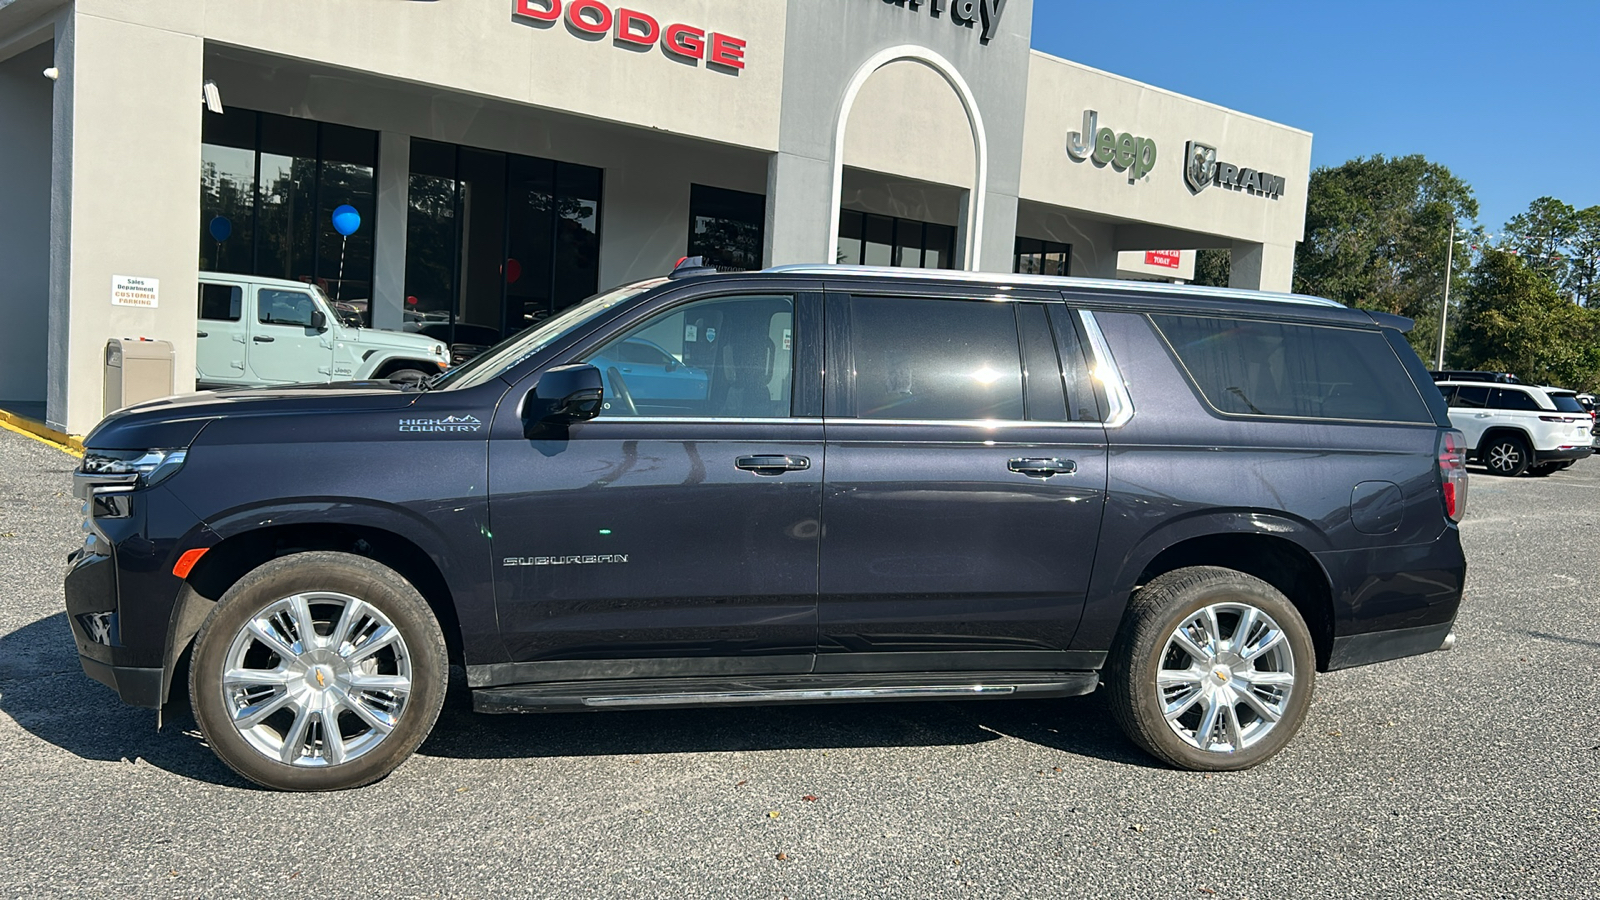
x=680 y=693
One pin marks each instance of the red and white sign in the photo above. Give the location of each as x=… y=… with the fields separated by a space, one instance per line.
x=630 y=26
x=1167 y=259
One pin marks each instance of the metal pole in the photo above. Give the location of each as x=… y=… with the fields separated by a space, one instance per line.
x=1444 y=308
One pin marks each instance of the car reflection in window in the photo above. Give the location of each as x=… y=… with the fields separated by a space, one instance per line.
x=659 y=382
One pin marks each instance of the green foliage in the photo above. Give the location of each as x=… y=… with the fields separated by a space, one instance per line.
x=1516 y=319
x=1562 y=243
x=1377 y=230
x=1212 y=267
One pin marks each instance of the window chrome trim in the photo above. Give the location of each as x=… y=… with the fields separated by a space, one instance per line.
x=1105 y=370
x=699 y=420
x=983 y=424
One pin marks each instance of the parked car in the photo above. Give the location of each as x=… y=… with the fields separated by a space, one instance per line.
x=1496 y=377
x=255 y=332
x=653 y=381
x=465 y=340
x=896 y=485
x=1519 y=428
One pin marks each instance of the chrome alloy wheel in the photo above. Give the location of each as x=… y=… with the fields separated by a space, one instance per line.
x=1505 y=457
x=1225 y=677
x=316 y=679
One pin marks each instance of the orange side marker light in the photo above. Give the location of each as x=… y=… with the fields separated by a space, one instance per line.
x=187 y=560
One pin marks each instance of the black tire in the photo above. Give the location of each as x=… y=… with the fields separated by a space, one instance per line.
x=1141 y=650
x=407 y=376
x=1506 y=455
x=376 y=586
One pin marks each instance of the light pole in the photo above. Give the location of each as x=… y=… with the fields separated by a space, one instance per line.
x=1444 y=308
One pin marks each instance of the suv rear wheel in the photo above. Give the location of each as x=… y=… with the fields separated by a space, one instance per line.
x=1506 y=454
x=318 y=671
x=1213 y=670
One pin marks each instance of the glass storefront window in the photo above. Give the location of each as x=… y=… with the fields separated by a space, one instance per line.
x=268 y=188
x=726 y=227
x=1039 y=257
x=496 y=242
x=870 y=240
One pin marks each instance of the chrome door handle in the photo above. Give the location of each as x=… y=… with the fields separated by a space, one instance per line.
x=1042 y=468
x=1482 y=415
x=772 y=465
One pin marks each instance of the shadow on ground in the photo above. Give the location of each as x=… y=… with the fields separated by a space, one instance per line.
x=43 y=689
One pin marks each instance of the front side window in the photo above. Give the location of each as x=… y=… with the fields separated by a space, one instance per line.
x=220 y=302
x=722 y=358
x=1249 y=367
x=955 y=360
x=276 y=307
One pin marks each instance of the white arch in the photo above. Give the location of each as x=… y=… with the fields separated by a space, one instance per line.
x=974 y=243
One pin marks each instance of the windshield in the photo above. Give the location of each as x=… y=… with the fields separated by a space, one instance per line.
x=509 y=353
x=1567 y=403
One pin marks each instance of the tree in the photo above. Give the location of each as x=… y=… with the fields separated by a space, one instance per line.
x=1560 y=242
x=1515 y=319
x=1212 y=268
x=1376 y=236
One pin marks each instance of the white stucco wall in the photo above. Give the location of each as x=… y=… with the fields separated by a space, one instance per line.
x=909 y=121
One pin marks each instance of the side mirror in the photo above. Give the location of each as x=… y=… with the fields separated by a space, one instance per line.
x=563 y=395
x=319 y=320
x=672 y=364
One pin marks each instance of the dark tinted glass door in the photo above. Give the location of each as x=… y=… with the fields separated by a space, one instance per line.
x=962 y=498
x=680 y=528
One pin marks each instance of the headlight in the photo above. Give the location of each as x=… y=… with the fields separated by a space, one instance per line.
x=151 y=466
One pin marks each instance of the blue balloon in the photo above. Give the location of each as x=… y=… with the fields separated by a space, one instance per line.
x=221 y=228
x=346 y=220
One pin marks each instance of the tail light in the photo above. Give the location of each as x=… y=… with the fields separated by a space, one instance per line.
x=1453 y=473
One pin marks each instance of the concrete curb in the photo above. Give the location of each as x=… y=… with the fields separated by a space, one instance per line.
x=39 y=431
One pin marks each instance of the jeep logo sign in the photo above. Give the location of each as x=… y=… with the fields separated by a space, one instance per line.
x=1125 y=152
x=1201 y=169
x=966 y=13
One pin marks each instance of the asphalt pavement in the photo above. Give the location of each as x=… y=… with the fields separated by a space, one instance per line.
x=1469 y=773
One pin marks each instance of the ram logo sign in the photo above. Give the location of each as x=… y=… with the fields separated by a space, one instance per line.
x=1202 y=169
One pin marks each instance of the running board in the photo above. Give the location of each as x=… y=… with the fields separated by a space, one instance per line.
x=680 y=693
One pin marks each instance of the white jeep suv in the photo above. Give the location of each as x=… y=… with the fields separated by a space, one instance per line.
x=1516 y=428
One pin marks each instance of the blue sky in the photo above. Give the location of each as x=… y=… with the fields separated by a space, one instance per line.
x=1507 y=95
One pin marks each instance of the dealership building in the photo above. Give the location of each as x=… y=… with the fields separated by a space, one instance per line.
x=506 y=158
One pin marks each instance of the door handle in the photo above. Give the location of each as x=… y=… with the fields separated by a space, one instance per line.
x=201 y=334
x=262 y=339
x=1042 y=468
x=772 y=465
x=1482 y=415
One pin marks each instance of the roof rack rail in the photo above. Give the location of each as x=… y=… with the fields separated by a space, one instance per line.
x=1054 y=281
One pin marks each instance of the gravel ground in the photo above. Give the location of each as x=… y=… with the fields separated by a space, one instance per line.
x=1468 y=773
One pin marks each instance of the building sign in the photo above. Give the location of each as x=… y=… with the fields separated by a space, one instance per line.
x=1124 y=152
x=630 y=26
x=141 y=292
x=1166 y=259
x=966 y=13
x=1201 y=170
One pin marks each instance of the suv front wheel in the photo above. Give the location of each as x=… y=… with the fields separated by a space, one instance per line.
x=318 y=671
x=1213 y=670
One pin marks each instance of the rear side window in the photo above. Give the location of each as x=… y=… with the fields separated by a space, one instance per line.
x=220 y=302
x=1249 y=367
x=1567 y=403
x=922 y=359
x=1506 y=398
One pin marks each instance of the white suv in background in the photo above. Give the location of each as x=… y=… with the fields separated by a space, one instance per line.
x=1516 y=428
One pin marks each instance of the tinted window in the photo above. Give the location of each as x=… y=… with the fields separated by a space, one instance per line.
x=935 y=359
x=1471 y=397
x=726 y=227
x=220 y=302
x=726 y=358
x=1249 y=367
x=1566 y=403
x=1505 y=398
x=284 y=307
